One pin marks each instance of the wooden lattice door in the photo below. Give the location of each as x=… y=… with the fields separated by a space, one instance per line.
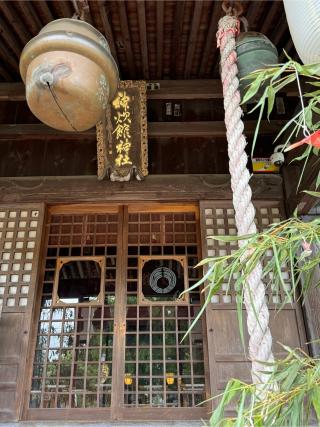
x=120 y=356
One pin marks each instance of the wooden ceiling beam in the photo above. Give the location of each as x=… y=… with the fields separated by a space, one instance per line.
x=155 y=130
x=12 y=92
x=159 y=26
x=107 y=29
x=185 y=89
x=15 y=21
x=208 y=129
x=169 y=89
x=176 y=38
x=126 y=37
x=143 y=37
x=196 y=18
x=68 y=189
x=211 y=44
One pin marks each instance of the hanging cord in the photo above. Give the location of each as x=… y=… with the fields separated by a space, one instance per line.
x=260 y=340
x=54 y=96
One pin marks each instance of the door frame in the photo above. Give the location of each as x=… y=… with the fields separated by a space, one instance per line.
x=117 y=410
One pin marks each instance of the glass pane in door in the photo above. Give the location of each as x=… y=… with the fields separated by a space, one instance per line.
x=161 y=370
x=72 y=365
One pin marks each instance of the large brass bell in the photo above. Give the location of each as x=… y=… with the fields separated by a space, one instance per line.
x=254 y=51
x=70 y=75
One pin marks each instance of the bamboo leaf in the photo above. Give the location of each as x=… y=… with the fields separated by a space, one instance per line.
x=231 y=390
x=199 y=282
x=228 y=238
x=318 y=181
x=309 y=149
x=255 y=136
x=240 y=420
x=312 y=193
x=271 y=99
x=252 y=89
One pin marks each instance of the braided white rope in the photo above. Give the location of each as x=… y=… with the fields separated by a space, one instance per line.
x=260 y=341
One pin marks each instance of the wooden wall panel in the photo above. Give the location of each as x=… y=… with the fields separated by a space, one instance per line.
x=20 y=240
x=227 y=355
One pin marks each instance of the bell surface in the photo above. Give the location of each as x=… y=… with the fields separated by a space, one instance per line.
x=70 y=75
x=254 y=52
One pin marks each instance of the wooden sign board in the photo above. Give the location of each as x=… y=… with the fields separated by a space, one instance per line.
x=122 y=140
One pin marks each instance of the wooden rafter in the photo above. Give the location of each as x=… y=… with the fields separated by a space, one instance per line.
x=32 y=20
x=107 y=28
x=43 y=7
x=252 y=15
x=193 y=37
x=10 y=60
x=65 y=8
x=210 y=44
x=8 y=35
x=178 y=42
x=272 y=15
x=286 y=48
x=15 y=21
x=126 y=37
x=159 y=17
x=279 y=30
x=4 y=73
x=176 y=38
x=143 y=37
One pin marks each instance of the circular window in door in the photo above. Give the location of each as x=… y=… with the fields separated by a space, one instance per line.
x=162 y=279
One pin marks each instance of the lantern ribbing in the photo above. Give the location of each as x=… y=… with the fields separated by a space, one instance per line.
x=260 y=341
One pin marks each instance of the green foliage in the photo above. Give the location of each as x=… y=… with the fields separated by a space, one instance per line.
x=292 y=398
x=274 y=79
x=287 y=244
x=292 y=394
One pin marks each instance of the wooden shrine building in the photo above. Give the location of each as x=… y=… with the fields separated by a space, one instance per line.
x=88 y=331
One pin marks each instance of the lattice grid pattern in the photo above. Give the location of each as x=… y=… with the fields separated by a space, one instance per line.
x=19 y=238
x=73 y=357
x=153 y=350
x=219 y=220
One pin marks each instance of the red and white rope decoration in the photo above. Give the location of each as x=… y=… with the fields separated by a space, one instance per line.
x=260 y=341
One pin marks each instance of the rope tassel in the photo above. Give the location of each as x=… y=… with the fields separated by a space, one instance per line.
x=260 y=340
